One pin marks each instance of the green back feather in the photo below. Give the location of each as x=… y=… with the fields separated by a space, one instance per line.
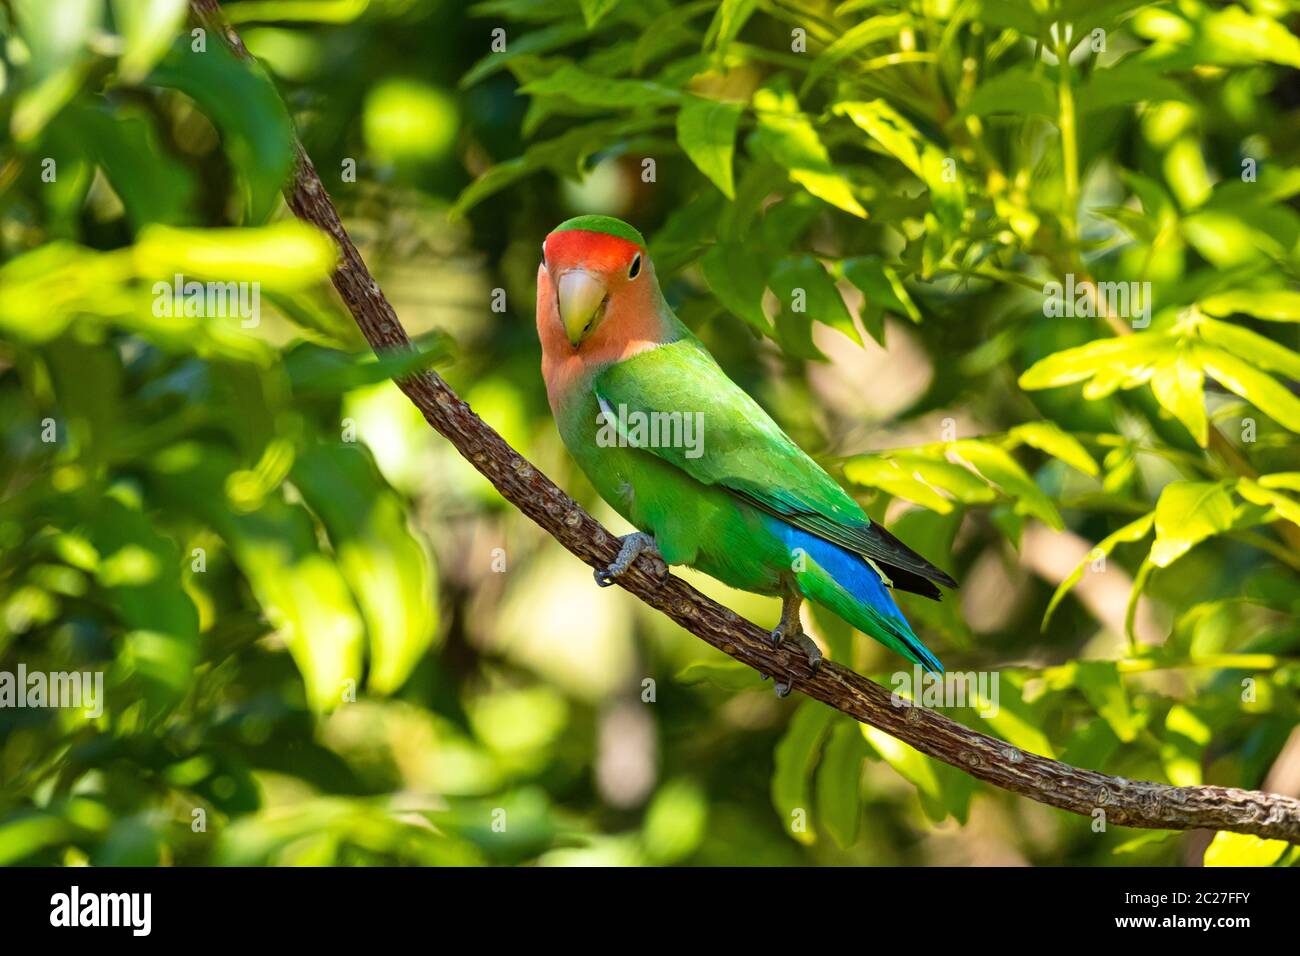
x=748 y=455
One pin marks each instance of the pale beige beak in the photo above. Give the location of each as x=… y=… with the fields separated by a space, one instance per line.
x=582 y=300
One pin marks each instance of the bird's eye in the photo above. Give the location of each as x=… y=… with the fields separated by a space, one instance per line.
x=634 y=269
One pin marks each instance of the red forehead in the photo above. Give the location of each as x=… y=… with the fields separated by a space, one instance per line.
x=595 y=250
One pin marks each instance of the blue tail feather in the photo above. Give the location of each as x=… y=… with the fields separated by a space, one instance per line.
x=854 y=575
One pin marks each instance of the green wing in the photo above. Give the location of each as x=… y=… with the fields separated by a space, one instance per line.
x=744 y=451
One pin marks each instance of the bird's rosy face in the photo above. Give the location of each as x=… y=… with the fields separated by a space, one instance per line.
x=587 y=271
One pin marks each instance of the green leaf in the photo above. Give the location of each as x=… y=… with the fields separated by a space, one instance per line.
x=1123 y=354
x=140 y=573
x=1050 y=438
x=313 y=369
x=1186 y=735
x=942 y=789
x=566 y=155
x=1133 y=531
x=300 y=590
x=1262 y=391
x=1235 y=238
x=706 y=131
x=934 y=469
x=887 y=127
x=1179 y=387
x=1187 y=174
x=796 y=755
x=1000 y=469
x=1232 y=37
x=297 y=11
x=1290 y=480
x=148 y=28
x=1141 y=842
x=1187 y=513
x=56 y=35
x=839 y=807
x=587 y=89
x=735 y=277
x=727 y=23
x=537 y=41
x=875 y=472
x=947 y=191
x=1101 y=684
x=286 y=256
x=1017 y=90
x=304 y=595
x=860 y=35
x=1251 y=346
x=244 y=105
x=675 y=821
x=787 y=137
x=1004 y=14
x=884 y=292
x=1243 y=849
x=1125 y=84
x=1256 y=493
x=153 y=185
x=725 y=674
x=1278 y=305
x=805 y=288
x=390 y=572
x=593 y=11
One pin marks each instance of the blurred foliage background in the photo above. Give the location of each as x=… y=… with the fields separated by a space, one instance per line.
x=327 y=640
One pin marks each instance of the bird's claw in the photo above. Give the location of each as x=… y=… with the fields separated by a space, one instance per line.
x=810 y=650
x=789 y=629
x=632 y=546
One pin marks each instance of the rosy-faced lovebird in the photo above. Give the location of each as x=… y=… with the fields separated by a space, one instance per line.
x=685 y=455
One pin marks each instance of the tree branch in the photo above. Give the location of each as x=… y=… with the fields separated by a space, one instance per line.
x=1125 y=802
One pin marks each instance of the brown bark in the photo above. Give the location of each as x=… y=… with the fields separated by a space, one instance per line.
x=1125 y=802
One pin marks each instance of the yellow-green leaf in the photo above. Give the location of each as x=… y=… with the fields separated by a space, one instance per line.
x=887 y=127
x=1251 y=346
x=1122 y=354
x=1050 y=438
x=1179 y=388
x=788 y=137
x=284 y=256
x=1243 y=849
x=1187 y=513
x=1261 y=390
x=390 y=571
x=1000 y=469
x=1290 y=480
x=1279 y=305
x=887 y=475
x=1256 y=493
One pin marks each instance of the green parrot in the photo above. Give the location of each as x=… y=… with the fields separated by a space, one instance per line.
x=685 y=455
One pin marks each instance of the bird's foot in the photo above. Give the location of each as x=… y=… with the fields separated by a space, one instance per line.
x=631 y=547
x=806 y=644
x=790 y=629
